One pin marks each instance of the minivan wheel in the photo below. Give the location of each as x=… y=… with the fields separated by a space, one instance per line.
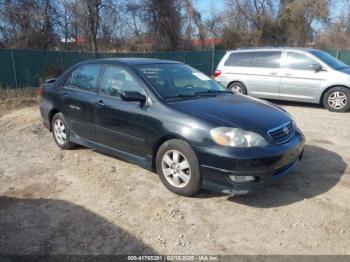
x=337 y=99
x=237 y=88
x=178 y=168
x=61 y=132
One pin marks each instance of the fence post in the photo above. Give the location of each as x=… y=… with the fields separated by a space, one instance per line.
x=14 y=68
x=212 y=57
x=337 y=56
x=184 y=57
x=62 y=65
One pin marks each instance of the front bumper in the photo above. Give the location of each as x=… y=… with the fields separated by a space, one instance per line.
x=265 y=164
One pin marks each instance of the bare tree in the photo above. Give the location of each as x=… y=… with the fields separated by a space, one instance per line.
x=336 y=34
x=297 y=18
x=28 y=23
x=167 y=25
x=92 y=17
x=196 y=17
x=163 y=18
x=215 y=22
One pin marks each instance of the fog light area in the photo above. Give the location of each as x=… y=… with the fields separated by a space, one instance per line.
x=242 y=178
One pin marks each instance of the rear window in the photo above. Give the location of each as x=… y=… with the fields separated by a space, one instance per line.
x=239 y=59
x=267 y=59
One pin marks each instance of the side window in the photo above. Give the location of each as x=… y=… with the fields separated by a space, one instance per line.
x=116 y=80
x=267 y=59
x=299 y=61
x=239 y=59
x=84 y=78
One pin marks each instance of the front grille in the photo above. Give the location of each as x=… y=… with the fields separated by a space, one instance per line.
x=282 y=134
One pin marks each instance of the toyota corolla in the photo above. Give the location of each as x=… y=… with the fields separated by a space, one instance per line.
x=167 y=117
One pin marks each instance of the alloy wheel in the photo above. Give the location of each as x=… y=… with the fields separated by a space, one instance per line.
x=337 y=100
x=176 y=168
x=236 y=90
x=60 y=131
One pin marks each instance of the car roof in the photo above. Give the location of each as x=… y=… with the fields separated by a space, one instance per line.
x=132 y=61
x=255 y=49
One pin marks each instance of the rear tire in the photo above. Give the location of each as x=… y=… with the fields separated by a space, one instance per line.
x=178 y=167
x=237 y=88
x=337 y=99
x=61 y=132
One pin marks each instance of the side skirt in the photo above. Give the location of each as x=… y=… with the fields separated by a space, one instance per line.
x=134 y=159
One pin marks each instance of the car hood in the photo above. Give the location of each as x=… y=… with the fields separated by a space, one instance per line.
x=234 y=111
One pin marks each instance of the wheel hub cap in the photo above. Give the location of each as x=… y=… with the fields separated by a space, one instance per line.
x=60 y=131
x=337 y=100
x=236 y=90
x=176 y=168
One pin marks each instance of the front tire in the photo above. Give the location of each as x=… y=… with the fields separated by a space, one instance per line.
x=61 y=132
x=178 y=168
x=337 y=99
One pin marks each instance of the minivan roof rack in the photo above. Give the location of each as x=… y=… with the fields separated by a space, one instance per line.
x=257 y=47
x=268 y=47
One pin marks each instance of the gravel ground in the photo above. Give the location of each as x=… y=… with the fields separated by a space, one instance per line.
x=85 y=202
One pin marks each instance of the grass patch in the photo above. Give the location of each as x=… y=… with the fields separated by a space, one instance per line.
x=12 y=99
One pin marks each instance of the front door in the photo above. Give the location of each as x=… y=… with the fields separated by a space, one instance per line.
x=78 y=98
x=300 y=81
x=120 y=124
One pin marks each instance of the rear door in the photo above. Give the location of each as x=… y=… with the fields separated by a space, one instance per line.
x=78 y=98
x=236 y=67
x=299 y=80
x=265 y=75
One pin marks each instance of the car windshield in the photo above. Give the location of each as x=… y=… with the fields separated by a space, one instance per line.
x=178 y=81
x=329 y=60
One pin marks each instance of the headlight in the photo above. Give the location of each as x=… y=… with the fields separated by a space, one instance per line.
x=237 y=137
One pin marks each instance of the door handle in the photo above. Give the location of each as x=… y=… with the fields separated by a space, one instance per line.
x=273 y=73
x=65 y=94
x=288 y=74
x=100 y=103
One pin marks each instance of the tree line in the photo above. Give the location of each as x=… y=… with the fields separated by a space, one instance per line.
x=170 y=25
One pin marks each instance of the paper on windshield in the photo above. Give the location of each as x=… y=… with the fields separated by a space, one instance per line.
x=201 y=76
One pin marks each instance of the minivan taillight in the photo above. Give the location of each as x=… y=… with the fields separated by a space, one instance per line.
x=41 y=90
x=217 y=73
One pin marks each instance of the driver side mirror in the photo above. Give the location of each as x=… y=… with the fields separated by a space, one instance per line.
x=133 y=96
x=316 y=67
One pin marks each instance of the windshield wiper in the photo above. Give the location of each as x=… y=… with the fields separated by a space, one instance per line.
x=178 y=96
x=212 y=92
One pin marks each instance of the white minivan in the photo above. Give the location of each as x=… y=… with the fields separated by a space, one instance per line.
x=295 y=74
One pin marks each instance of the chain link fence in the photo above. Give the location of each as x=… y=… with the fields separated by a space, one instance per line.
x=26 y=68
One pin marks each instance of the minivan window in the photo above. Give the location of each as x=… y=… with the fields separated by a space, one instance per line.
x=84 y=78
x=329 y=60
x=116 y=80
x=299 y=61
x=239 y=59
x=268 y=59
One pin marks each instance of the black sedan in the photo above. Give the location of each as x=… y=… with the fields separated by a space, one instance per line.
x=170 y=118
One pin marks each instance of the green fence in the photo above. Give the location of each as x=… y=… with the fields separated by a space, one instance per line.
x=25 y=68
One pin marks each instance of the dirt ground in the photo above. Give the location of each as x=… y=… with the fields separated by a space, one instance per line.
x=84 y=202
